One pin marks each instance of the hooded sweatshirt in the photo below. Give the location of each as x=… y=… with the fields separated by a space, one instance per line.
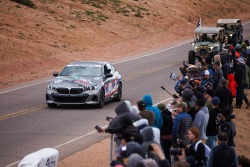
x=149 y=106
x=201 y=121
x=121 y=110
x=232 y=84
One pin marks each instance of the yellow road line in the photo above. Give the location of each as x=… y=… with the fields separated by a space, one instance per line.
x=126 y=79
x=21 y=112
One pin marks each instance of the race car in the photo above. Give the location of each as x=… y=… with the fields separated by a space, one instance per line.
x=87 y=82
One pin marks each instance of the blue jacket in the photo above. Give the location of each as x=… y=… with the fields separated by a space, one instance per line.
x=182 y=122
x=149 y=106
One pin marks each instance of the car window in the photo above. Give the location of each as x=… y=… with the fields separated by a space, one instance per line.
x=85 y=71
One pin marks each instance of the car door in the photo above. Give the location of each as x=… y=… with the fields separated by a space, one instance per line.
x=110 y=84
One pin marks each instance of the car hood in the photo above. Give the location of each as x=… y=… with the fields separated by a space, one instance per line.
x=76 y=81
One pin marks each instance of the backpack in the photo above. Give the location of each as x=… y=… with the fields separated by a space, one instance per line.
x=223 y=157
x=207 y=150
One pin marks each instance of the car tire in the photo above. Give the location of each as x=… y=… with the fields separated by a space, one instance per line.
x=101 y=99
x=119 y=93
x=191 y=57
x=51 y=105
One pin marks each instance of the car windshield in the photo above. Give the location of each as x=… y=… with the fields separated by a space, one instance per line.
x=202 y=37
x=85 y=71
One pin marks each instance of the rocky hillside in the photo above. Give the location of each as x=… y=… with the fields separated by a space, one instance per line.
x=43 y=37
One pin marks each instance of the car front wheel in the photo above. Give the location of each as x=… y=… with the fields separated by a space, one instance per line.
x=101 y=99
x=51 y=105
x=119 y=93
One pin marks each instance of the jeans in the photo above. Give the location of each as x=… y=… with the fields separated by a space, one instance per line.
x=211 y=141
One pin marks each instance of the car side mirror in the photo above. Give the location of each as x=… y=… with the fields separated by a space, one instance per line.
x=55 y=74
x=109 y=75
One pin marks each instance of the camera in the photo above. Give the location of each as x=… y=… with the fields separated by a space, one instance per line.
x=173 y=76
x=176 y=151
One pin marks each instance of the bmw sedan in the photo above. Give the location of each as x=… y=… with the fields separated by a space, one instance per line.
x=88 y=82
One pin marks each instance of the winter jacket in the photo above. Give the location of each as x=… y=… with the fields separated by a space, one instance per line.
x=232 y=84
x=201 y=121
x=198 y=154
x=225 y=96
x=167 y=128
x=149 y=106
x=229 y=127
x=239 y=75
x=222 y=156
x=122 y=110
x=247 y=76
x=212 y=129
x=182 y=122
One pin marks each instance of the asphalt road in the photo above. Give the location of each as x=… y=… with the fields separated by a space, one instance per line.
x=28 y=125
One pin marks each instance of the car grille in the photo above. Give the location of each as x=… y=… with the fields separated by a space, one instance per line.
x=69 y=91
x=70 y=99
x=204 y=51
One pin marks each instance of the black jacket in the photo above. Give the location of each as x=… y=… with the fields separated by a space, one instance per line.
x=167 y=127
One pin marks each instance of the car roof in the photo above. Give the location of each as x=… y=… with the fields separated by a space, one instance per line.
x=80 y=63
x=227 y=21
x=209 y=30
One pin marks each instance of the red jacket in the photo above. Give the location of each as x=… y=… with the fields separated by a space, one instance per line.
x=232 y=84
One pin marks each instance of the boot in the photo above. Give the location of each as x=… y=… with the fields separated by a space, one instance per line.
x=247 y=105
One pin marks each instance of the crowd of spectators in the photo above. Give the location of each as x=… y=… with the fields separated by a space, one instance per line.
x=195 y=129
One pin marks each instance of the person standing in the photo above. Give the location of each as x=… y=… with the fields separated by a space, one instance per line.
x=225 y=95
x=201 y=118
x=149 y=115
x=239 y=78
x=218 y=75
x=246 y=84
x=149 y=106
x=222 y=155
x=182 y=122
x=212 y=130
x=166 y=130
x=228 y=126
x=196 y=149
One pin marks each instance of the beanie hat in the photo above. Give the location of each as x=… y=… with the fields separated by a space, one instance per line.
x=141 y=105
x=187 y=94
x=237 y=47
x=215 y=101
x=224 y=52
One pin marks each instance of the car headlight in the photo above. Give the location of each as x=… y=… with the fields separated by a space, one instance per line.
x=196 y=48
x=51 y=87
